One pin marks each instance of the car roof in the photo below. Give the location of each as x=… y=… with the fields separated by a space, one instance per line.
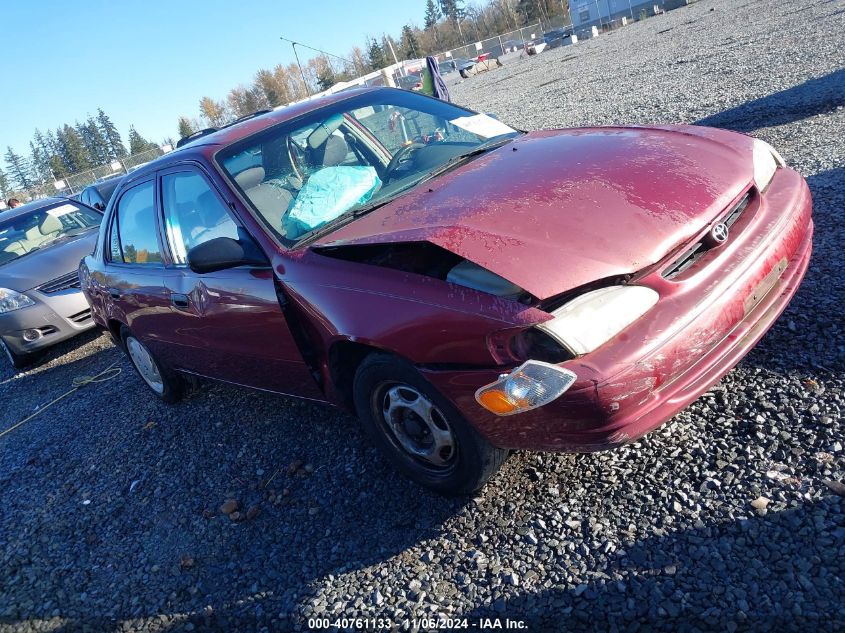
x=29 y=207
x=209 y=143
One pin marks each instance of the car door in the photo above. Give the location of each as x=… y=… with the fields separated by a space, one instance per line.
x=133 y=264
x=228 y=324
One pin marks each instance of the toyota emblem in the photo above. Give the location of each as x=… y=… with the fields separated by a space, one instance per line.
x=718 y=234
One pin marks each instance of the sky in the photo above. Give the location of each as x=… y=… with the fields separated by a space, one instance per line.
x=147 y=62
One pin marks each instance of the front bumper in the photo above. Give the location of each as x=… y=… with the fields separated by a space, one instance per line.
x=698 y=331
x=57 y=317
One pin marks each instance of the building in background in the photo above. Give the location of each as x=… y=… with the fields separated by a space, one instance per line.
x=586 y=14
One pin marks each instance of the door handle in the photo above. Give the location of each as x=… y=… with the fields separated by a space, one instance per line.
x=179 y=300
x=114 y=293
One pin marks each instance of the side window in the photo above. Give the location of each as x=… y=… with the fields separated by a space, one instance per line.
x=136 y=227
x=193 y=213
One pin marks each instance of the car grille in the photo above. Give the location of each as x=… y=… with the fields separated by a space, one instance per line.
x=65 y=282
x=699 y=249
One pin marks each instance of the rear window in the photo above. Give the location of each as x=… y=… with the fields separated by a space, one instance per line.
x=135 y=237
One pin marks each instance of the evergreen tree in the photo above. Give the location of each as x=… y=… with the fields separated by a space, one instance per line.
x=43 y=145
x=40 y=162
x=4 y=184
x=100 y=148
x=410 y=45
x=51 y=144
x=453 y=10
x=185 y=127
x=57 y=166
x=375 y=56
x=112 y=136
x=75 y=153
x=138 y=143
x=432 y=14
x=18 y=169
x=95 y=143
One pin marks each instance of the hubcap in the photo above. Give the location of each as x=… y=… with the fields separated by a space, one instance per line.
x=145 y=364
x=418 y=426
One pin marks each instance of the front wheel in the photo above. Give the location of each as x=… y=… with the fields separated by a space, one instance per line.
x=165 y=383
x=420 y=431
x=19 y=361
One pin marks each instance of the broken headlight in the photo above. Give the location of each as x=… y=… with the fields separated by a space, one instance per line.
x=592 y=319
x=517 y=346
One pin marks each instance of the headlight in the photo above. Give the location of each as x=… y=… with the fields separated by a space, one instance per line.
x=766 y=162
x=527 y=387
x=11 y=300
x=595 y=317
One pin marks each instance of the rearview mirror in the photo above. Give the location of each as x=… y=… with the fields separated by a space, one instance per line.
x=224 y=252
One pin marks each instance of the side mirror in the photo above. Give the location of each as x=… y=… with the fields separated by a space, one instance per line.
x=99 y=206
x=224 y=252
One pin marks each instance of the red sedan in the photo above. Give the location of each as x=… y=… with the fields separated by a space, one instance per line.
x=465 y=288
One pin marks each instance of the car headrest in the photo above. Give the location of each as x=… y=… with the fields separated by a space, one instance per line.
x=324 y=131
x=334 y=151
x=50 y=224
x=249 y=178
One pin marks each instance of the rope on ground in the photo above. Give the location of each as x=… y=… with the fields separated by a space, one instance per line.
x=80 y=381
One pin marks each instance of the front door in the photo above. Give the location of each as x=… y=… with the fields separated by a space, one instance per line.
x=226 y=325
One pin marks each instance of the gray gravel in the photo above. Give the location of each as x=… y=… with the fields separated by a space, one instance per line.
x=731 y=517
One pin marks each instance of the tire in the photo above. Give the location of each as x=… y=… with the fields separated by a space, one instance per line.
x=18 y=361
x=419 y=431
x=170 y=386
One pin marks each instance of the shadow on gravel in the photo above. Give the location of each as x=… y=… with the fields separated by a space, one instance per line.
x=123 y=525
x=748 y=565
x=814 y=96
x=51 y=353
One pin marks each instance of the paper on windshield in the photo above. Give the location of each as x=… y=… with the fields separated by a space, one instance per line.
x=61 y=210
x=483 y=125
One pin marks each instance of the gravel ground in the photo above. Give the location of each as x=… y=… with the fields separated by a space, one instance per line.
x=111 y=502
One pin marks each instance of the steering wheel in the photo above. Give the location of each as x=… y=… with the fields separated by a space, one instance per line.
x=399 y=156
x=295 y=154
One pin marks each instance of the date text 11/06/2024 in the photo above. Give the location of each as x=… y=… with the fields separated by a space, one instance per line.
x=440 y=624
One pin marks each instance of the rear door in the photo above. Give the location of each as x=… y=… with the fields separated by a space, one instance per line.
x=226 y=325
x=134 y=267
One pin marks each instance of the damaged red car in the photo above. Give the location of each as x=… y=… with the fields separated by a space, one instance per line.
x=463 y=287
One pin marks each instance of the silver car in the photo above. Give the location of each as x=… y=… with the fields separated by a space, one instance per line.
x=41 y=304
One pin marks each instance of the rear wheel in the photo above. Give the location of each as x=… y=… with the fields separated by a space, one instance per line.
x=419 y=430
x=164 y=382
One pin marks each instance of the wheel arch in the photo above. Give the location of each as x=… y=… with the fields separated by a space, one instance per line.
x=114 y=327
x=343 y=359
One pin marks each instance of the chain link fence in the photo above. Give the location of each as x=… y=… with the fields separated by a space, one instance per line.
x=74 y=183
x=604 y=15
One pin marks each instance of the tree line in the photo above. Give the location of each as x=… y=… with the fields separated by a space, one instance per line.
x=447 y=24
x=69 y=149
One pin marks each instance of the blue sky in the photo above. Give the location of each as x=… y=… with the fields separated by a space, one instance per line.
x=148 y=62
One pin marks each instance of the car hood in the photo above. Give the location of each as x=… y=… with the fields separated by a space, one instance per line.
x=557 y=209
x=45 y=264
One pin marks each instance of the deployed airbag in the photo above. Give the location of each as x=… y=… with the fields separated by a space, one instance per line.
x=326 y=195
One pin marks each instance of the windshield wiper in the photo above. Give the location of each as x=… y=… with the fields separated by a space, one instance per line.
x=493 y=143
